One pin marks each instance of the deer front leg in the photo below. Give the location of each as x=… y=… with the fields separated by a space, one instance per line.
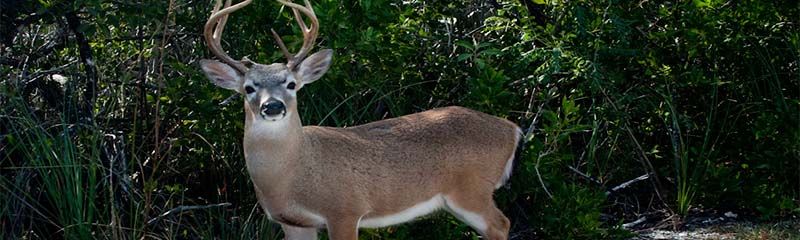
x=343 y=229
x=297 y=233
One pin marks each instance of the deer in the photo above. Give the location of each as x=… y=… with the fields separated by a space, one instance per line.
x=378 y=174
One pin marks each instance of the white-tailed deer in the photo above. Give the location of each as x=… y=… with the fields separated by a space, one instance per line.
x=374 y=175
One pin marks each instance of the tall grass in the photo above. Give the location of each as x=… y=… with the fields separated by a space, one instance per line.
x=47 y=171
x=71 y=180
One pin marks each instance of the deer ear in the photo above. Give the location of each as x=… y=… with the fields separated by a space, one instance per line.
x=221 y=74
x=314 y=66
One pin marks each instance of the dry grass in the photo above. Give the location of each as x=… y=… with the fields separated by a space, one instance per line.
x=779 y=230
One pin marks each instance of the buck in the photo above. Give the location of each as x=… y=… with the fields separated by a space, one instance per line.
x=368 y=176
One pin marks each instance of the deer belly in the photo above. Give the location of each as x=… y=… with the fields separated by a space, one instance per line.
x=297 y=218
x=408 y=214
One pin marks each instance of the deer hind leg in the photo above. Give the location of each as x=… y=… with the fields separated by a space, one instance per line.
x=480 y=213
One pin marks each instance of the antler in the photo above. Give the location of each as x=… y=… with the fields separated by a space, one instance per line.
x=309 y=34
x=217 y=21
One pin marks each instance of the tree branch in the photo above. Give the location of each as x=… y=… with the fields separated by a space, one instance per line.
x=90 y=90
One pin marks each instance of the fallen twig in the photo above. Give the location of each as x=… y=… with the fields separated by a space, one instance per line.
x=180 y=209
x=628 y=183
x=634 y=223
x=584 y=175
x=229 y=99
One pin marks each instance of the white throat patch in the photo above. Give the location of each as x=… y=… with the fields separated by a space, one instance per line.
x=264 y=128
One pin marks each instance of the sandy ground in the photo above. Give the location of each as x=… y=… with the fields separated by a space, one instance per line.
x=693 y=234
x=732 y=230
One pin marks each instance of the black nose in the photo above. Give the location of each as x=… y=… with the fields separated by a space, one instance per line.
x=272 y=108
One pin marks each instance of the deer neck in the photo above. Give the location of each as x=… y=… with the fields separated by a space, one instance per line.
x=272 y=148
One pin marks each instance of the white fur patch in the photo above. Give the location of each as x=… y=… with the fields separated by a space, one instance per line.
x=474 y=220
x=510 y=162
x=265 y=128
x=406 y=215
x=316 y=218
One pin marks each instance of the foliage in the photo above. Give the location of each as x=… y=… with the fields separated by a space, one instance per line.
x=109 y=129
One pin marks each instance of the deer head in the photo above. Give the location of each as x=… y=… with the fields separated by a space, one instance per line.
x=269 y=89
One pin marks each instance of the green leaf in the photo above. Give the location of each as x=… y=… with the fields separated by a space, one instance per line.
x=463 y=56
x=465 y=44
x=491 y=52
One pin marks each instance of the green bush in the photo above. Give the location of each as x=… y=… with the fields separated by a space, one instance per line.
x=702 y=96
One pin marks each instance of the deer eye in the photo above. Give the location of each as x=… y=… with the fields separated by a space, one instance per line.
x=249 y=89
x=291 y=85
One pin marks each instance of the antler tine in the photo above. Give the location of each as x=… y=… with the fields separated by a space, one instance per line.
x=299 y=19
x=309 y=34
x=224 y=19
x=281 y=45
x=216 y=25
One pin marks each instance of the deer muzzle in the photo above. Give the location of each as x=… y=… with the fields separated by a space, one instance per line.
x=272 y=109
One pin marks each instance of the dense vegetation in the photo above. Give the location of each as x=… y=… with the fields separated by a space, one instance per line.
x=108 y=129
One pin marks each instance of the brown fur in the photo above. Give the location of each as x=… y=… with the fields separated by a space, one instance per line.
x=315 y=177
x=384 y=167
x=383 y=173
